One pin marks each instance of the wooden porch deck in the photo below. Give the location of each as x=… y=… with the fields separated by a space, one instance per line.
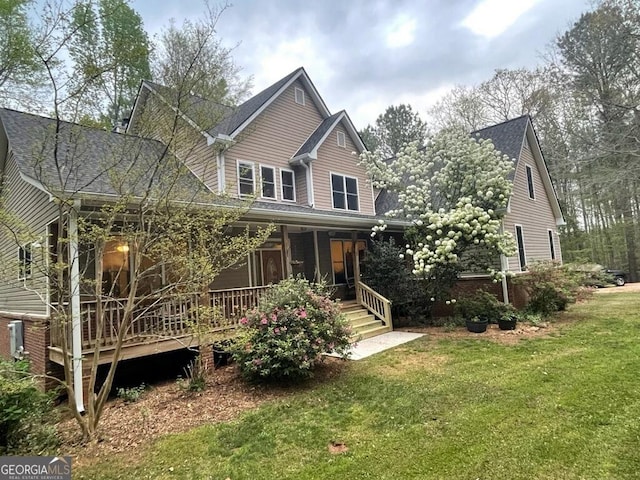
x=164 y=325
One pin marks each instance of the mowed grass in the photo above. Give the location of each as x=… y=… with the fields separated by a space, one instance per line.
x=565 y=406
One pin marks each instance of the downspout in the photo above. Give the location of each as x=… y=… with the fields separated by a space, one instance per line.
x=76 y=324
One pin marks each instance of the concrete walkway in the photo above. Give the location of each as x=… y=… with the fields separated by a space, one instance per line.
x=380 y=343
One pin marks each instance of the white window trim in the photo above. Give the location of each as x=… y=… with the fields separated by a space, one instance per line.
x=552 y=245
x=293 y=176
x=343 y=137
x=527 y=169
x=253 y=169
x=344 y=182
x=275 y=183
x=524 y=248
x=22 y=266
x=297 y=90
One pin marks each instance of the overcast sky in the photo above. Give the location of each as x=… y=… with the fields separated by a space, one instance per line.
x=364 y=55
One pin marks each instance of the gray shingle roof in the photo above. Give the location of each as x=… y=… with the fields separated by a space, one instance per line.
x=237 y=117
x=317 y=135
x=507 y=137
x=92 y=160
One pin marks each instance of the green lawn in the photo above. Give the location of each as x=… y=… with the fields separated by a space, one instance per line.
x=565 y=406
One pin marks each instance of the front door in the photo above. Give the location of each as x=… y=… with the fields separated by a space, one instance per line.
x=271 y=266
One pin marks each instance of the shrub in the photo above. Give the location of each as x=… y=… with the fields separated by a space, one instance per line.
x=284 y=338
x=25 y=413
x=195 y=375
x=131 y=394
x=483 y=305
x=551 y=287
x=388 y=273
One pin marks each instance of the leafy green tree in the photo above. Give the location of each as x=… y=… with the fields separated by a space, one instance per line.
x=599 y=61
x=393 y=129
x=18 y=61
x=110 y=50
x=214 y=76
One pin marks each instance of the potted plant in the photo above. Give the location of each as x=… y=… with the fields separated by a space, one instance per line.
x=508 y=319
x=477 y=324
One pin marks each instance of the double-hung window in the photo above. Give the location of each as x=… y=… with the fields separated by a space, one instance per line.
x=246 y=181
x=24 y=262
x=344 y=192
x=268 y=177
x=532 y=191
x=287 y=181
x=522 y=257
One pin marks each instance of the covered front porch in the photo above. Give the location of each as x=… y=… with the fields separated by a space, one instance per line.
x=165 y=323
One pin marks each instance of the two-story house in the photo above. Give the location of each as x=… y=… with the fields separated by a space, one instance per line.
x=282 y=149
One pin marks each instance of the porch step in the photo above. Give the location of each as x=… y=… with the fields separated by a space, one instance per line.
x=363 y=324
x=370 y=332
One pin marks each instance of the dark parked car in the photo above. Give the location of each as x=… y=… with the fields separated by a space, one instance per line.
x=617 y=276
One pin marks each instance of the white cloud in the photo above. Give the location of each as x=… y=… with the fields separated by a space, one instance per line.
x=401 y=32
x=491 y=18
x=276 y=59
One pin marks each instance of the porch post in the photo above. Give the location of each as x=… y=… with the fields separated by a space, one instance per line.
x=76 y=324
x=286 y=245
x=504 y=265
x=356 y=264
x=316 y=252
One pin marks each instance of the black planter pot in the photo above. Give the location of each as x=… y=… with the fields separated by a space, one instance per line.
x=477 y=326
x=509 y=324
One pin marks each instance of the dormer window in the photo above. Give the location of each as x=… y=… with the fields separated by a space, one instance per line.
x=342 y=141
x=299 y=96
x=245 y=178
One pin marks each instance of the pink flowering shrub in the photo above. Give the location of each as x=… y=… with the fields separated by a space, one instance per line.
x=285 y=337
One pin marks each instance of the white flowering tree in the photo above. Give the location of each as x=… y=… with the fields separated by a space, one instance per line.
x=454 y=191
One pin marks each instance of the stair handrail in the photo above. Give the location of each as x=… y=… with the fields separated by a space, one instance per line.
x=375 y=303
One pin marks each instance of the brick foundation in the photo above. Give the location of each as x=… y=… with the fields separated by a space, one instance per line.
x=467 y=286
x=36 y=341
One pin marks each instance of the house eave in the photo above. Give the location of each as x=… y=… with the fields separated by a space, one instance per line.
x=225 y=140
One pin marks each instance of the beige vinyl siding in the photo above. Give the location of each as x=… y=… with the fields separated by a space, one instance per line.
x=340 y=160
x=274 y=137
x=302 y=197
x=202 y=161
x=32 y=207
x=534 y=215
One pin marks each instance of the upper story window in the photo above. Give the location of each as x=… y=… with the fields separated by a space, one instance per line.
x=24 y=262
x=268 y=177
x=521 y=253
x=299 y=93
x=344 y=192
x=532 y=193
x=246 y=180
x=288 y=182
x=342 y=141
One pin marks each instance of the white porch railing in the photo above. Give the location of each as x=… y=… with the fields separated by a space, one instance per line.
x=378 y=305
